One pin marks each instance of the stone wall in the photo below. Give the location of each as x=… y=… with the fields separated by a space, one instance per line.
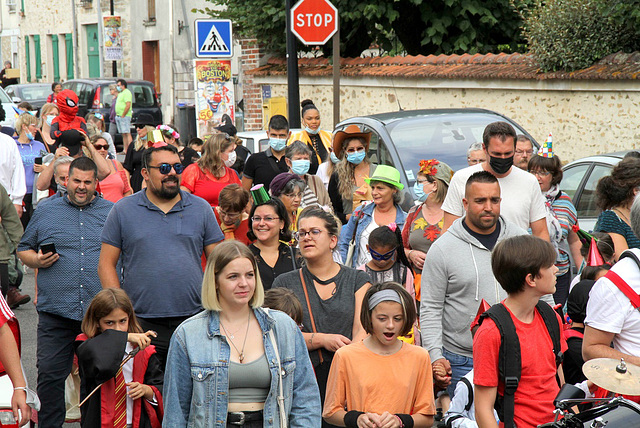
x=585 y=118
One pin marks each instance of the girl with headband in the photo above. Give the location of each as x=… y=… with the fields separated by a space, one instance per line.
x=382 y=381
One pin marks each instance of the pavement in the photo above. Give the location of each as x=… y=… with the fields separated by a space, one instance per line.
x=28 y=318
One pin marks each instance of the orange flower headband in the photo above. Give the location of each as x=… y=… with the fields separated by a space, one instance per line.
x=428 y=167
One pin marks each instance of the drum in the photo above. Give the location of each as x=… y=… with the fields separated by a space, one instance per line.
x=617 y=413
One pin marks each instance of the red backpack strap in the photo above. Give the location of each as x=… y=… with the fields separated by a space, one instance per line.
x=625 y=288
x=569 y=333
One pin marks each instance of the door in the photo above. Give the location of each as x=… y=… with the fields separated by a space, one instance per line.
x=93 y=50
x=151 y=63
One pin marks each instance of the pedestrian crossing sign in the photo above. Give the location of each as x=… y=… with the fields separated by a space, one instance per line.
x=213 y=38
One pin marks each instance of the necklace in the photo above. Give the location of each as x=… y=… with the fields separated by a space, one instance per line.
x=624 y=217
x=244 y=342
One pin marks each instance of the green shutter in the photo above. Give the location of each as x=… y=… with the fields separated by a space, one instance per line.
x=22 y=6
x=56 y=58
x=27 y=54
x=36 y=50
x=68 y=38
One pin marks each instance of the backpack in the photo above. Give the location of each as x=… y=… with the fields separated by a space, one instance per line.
x=509 y=358
x=467 y=407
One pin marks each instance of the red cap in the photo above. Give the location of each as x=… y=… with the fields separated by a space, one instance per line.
x=595 y=258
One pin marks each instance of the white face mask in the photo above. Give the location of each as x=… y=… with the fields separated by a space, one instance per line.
x=231 y=160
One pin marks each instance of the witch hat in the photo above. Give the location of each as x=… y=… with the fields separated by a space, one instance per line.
x=595 y=258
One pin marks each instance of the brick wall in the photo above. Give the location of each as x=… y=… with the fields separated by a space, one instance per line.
x=249 y=59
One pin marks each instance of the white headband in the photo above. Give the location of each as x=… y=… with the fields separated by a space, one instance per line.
x=386 y=295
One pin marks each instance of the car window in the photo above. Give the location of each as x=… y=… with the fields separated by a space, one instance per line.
x=105 y=96
x=84 y=92
x=571 y=179
x=71 y=85
x=10 y=92
x=587 y=205
x=142 y=95
x=378 y=152
x=35 y=92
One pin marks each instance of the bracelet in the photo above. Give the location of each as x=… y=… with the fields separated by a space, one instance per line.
x=409 y=254
x=311 y=339
x=20 y=388
x=399 y=420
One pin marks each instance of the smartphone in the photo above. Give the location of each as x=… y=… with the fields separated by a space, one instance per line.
x=38 y=160
x=48 y=248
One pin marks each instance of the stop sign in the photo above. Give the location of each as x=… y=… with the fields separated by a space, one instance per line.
x=314 y=21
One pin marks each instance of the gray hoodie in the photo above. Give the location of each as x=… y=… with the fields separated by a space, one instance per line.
x=456 y=277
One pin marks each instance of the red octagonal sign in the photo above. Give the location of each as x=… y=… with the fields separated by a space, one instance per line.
x=314 y=21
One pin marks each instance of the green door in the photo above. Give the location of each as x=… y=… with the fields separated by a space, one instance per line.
x=93 y=50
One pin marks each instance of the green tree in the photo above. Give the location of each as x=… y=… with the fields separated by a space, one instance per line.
x=412 y=26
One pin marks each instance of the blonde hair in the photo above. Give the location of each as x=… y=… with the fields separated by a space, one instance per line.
x=213 y=146
x=25 y=119
x=105 y=302
x=223 y=254
x=44 y=112
x=141 y=143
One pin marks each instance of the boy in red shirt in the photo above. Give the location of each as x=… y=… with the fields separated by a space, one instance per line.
x=524 y=267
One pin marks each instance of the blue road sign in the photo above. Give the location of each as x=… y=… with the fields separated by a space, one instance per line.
x=213 y=38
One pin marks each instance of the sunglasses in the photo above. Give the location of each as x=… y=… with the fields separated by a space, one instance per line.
x=139 y=126
x=165 y=168
x=381 y=257
x=101 y=146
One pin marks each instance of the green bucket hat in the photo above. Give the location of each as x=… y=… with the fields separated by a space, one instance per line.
x=387 y=174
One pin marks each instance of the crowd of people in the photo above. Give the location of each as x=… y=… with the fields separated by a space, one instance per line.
x=202 y=285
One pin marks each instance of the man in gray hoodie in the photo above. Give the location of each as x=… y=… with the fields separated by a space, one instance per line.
x=457 y=276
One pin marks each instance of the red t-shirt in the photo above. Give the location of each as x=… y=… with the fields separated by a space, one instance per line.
x=5 y=313
x=538 y=387
x=205 y=184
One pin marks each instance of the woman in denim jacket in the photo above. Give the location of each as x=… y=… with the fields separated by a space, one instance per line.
x=222 y=369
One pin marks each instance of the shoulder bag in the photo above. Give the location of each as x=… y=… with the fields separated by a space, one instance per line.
x=281 y=409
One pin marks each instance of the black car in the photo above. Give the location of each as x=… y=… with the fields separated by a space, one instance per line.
x=94 y=96
x=401 y=139
x=34 y=93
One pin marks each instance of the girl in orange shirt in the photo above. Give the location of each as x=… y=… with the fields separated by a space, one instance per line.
x=381 y=381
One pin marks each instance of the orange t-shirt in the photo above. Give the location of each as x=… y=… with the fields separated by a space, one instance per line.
x=362 y=380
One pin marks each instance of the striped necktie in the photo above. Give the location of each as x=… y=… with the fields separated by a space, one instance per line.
x=120 y=414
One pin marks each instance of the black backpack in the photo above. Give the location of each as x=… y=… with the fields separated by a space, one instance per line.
x=509 y=359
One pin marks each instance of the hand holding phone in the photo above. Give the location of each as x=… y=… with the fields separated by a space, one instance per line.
x=48 y=248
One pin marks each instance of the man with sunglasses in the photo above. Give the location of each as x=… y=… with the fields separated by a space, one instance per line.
x=159 y=234
x=458 y=276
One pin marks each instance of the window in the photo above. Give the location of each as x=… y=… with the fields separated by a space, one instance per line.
x=11 y=5
x=35 y=92
x=571 y=179
x=142 y=95
x=151 y=9
x=587 y=205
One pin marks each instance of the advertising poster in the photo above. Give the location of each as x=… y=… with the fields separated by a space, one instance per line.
x=112 y=38
x=214 y=94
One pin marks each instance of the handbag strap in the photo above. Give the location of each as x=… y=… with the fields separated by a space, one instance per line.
x=313 y=322
x=625 y=288
x=283 y=413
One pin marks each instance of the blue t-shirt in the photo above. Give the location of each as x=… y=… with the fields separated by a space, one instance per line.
x=29 y=153
x=160 y=253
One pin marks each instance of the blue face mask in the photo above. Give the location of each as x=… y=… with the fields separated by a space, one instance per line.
x=50 y=119
x=29 y=135
x=356 y=158
x=311 y=131
x=119 y=88
x=418 y=190
x=278 y=144
x=300 y=167
x=334 y=158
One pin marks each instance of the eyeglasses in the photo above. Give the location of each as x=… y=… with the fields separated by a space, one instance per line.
x=165 y=168
x=540 y=173
x=293 y=195
x=301 y=234
x=101 y=146
x=524 y=152
x=381 y=257
x=229 y=215
x=353 y=150
x=474 y=161
x=265 y=219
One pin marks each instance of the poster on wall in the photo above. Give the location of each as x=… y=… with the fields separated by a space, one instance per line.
x=112 y=38
x=214 y=94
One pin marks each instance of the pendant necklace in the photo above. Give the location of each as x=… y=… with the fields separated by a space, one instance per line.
x=240 y=352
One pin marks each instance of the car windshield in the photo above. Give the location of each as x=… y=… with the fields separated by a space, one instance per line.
x=35 y=92
x=142 y=95
x=4 y=98
x=441 y=136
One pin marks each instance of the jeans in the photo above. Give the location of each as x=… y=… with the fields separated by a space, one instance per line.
x=460 y=366
x=165 y=328
x=56 y=336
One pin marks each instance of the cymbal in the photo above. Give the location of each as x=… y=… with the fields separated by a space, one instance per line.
x=613 y=375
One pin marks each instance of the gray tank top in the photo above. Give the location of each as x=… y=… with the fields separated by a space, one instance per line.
x=249 y=383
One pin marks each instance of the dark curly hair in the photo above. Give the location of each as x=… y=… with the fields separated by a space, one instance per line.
x=619 y=187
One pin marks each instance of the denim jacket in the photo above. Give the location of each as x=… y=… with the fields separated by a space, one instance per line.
x=347 y=230
x=196 y=387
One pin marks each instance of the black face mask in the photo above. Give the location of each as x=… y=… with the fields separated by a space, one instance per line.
x=500 y=165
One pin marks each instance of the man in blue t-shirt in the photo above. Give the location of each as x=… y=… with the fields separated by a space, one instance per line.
x=159 y=235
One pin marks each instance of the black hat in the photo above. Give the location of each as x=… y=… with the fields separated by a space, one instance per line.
x=577 y=300
x=144 y=119
x=226 y=126
x=71 y=139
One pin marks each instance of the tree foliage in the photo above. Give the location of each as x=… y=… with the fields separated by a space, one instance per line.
x=411 y=26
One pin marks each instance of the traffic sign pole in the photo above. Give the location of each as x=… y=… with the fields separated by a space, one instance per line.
x=292 y=73
x=336 y=76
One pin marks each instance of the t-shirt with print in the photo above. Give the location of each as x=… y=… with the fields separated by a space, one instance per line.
x=522 y=202
x=538 y=386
